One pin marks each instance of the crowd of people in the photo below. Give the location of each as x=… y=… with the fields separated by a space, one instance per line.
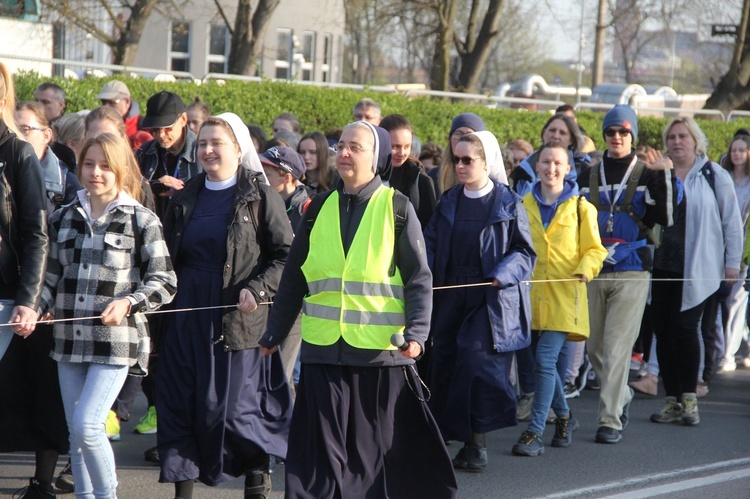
x=346 y=303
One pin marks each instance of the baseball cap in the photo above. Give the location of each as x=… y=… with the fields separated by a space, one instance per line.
x=113 y=89
x=286 y=159
x=162 y=110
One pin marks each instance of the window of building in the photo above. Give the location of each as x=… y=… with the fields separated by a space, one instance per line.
x=308 y=54
x=179 y=53
x=218 y=48
x=327 y=56
x=283 y=53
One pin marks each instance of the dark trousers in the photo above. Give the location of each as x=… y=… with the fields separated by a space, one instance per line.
x=677 y=346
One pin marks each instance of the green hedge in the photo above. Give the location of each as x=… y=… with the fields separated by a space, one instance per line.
x=326 y=109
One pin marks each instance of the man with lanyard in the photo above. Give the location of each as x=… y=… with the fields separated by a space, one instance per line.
x=631 y=198
x=168 y=161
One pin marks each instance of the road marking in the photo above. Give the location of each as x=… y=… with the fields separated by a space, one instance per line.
x=694 y=483
x=645 y=479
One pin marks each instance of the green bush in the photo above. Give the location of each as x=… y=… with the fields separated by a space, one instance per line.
x=326 y=109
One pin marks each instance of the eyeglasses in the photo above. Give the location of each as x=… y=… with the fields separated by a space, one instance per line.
x=611 y=132
x=25 y=129
x=353 y=148
x=465 y=160
x=109 y=102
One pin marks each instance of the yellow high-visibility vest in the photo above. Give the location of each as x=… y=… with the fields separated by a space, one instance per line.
x=353 y=296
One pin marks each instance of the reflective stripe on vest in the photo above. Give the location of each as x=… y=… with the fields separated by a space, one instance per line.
x=353 y=297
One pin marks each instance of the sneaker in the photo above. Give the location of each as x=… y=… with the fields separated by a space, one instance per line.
x=670 y=413
x=648 y=385
x=525 y=403
x=112 y=427
x=35 y=490
x=593 y=382
x=147 y=426
x=64 y=482
x=564 y=428
x=690 y=416
x=607 y=435
x=635 y=361
x=471 y=458
x=728 y=365
x=551 y=418
x=571 y=391
x=529 y=444
x=152 y=455
x=625 y=416
x=583 y=374
x=643 y=371
x=745 y=362
x=701 y=390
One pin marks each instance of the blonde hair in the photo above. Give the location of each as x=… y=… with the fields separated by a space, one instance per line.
x=8 y=92
x=105 y=113
x=701 y=142
x=120 y=160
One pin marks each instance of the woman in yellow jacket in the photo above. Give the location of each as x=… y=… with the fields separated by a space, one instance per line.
x=566 y=238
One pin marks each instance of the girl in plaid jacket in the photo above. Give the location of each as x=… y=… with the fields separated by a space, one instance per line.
x=108 y=260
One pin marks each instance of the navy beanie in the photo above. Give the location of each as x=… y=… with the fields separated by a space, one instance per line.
x=623 y=116
x=469 y=120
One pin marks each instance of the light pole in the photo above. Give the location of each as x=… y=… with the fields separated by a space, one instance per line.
x=581 y=44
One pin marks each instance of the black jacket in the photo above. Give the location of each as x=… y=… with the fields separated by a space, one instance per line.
x=23 y=222
x=255 y=258
x=151 y=159
x=411 y=180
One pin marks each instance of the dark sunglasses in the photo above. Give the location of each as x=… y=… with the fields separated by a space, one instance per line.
x=611 y=132
x=466 y=160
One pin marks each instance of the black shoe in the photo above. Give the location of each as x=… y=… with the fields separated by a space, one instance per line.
x=258 y=483
x=35 y=490
x=64 y=482
x=564 y=428
x=152 y=455
x=583 y=374
x=461 y=460
x=476 y=458
x=625 y=417
x=607 y=435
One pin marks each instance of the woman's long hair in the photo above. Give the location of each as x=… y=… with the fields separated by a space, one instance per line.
x=321 y=149
x=728 y=164
x=120 y=160
x=8 y=92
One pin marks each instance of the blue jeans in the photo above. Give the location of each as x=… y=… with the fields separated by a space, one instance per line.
x=88 y=391
x=549 y=385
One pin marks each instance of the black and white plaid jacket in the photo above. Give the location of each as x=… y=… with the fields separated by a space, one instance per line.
x=90 y=265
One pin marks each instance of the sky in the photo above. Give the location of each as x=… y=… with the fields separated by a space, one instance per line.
x=566 y=14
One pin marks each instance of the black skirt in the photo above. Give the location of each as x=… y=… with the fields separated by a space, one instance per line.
x=365 y=432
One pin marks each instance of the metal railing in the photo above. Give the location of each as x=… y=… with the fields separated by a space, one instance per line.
x=104 y=67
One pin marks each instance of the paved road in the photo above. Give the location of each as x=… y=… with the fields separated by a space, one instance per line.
x=710 y=460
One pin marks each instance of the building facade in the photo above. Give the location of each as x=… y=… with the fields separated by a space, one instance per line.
x=304 y=40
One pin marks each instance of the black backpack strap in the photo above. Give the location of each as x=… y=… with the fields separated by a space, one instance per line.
x=594 y=188
x=631 y=188
x=708 y=172
x=400 y=209
x=627 y=203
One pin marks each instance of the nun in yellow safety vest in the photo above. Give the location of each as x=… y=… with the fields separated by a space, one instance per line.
x=361 y=426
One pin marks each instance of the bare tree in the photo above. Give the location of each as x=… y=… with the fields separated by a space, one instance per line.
x=733 y=90
x=247 y=34
x=475 y=47
x=128 y=19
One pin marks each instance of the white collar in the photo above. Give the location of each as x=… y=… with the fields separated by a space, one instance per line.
x=481 y=192
x=221 y=184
